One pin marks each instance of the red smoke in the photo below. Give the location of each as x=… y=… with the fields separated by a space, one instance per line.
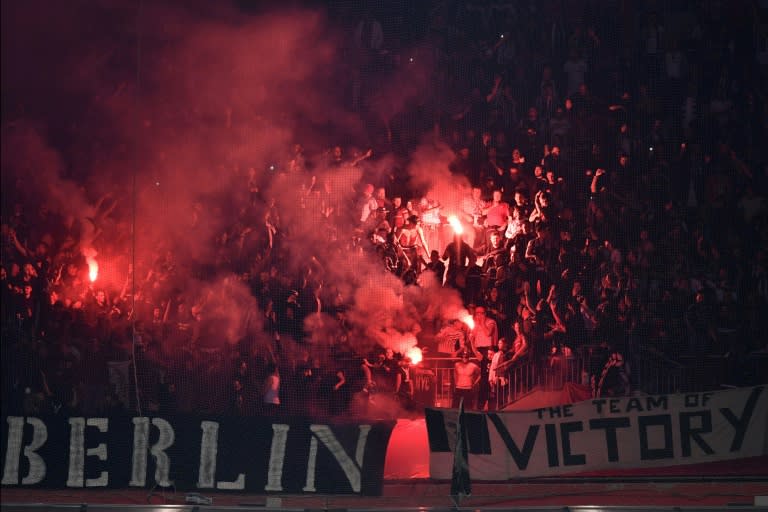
x=166 y=107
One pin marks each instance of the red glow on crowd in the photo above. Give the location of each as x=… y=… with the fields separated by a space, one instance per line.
x=247 y=217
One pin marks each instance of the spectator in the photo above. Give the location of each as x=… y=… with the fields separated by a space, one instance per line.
x=467 y=377
x=271 y=395
x=658 y=267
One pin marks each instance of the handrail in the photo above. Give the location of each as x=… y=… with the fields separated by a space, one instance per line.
x=524 y=376
x=517 y=378
x=507 y=364
x=655 y=373
x=661 y=356
x=651 y=372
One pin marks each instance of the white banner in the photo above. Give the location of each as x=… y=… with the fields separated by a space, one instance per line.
x=604 y=433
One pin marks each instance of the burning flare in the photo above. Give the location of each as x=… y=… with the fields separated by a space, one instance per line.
x=93 y=265
x=455 y=223
x=467 y=319
x=414 y=353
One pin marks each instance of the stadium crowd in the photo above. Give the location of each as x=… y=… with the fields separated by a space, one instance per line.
x=613 y=206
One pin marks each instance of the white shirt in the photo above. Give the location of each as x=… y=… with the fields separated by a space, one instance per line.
x=495 y=362
x=431 y=211
x=472 y=208
x=369 y=206
x=514 y=228
x=271 y=393
x=485 y=333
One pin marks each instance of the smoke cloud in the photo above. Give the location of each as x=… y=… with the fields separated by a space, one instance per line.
x=429 y=171
x=172 y=116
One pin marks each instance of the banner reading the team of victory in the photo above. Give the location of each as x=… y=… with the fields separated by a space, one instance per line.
x=604 y=434
x=188 y=453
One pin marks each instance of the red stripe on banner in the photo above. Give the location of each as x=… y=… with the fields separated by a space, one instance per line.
x=408 y=451
x=408 y=458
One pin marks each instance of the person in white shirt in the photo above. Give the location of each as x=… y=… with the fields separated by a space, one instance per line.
x=485 y=334
x=466 y=375
x=272 y=390
x=429 y=212
x=514 y=226
x=368 y=205
x=500 y=356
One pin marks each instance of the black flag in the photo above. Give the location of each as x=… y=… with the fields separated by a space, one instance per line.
x=460 y=481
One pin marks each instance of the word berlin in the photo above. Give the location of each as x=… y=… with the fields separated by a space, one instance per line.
x=250 y=454
x=605 y=433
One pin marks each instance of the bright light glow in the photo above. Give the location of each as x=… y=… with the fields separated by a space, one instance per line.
x=467 y=319
x=93 y=270
x=93 y=265
x=414 y=353
x=455 y=223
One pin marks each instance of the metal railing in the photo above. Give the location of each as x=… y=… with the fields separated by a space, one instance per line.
x=651 y=372
x=655 y=374
x=700 y=371
x=517 y=379
x=520 y=378
x=442 y=370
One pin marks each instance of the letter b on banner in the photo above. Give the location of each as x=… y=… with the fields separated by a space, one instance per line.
x=36 y=472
